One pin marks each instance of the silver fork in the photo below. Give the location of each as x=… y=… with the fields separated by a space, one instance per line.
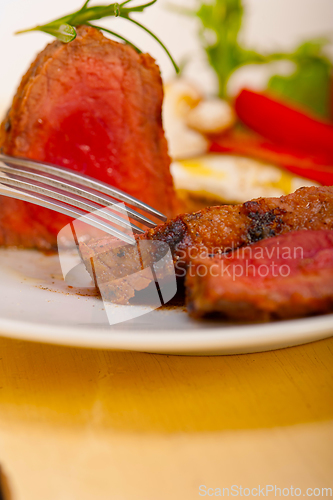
x=73 y=194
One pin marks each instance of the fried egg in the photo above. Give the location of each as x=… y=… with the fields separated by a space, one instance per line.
x=221 y=178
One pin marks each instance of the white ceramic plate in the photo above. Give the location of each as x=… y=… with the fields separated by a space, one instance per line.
x=36 y=304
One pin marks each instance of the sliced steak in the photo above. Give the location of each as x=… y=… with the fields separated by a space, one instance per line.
x=283 y=277
x=94 y=106
x=217 y=230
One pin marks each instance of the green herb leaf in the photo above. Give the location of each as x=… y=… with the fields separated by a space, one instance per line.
x=117 y=36
x=220 y=27
x=223 y=20
x=139 y=8
x=310 y=84
x=64 y=28
x=64 y=32
x=158 y=41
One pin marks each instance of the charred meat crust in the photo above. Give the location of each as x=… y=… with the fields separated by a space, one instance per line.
x=174 y=233
x=263 y=225
x=220 y=229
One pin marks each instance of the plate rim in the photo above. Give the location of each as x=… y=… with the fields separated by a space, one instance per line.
x=235 y=339
x=202 y=339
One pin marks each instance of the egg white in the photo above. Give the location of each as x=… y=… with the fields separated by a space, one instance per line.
x=233 y=179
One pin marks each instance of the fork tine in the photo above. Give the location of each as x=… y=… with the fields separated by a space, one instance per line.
x=69 y=199
x=74 y=189
x=78 y=194
x=83 y=181
x=58 y=206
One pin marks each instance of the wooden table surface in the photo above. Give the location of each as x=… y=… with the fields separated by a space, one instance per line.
x=79 y=424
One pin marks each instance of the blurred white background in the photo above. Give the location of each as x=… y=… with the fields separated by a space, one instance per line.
x=270 y=25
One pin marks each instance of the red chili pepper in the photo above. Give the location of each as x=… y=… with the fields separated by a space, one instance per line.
x=284 y=125
x=248 y=144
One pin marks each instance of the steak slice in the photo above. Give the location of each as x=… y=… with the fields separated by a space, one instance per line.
x=93 y=106
x=216 y=230
x=283 y=277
